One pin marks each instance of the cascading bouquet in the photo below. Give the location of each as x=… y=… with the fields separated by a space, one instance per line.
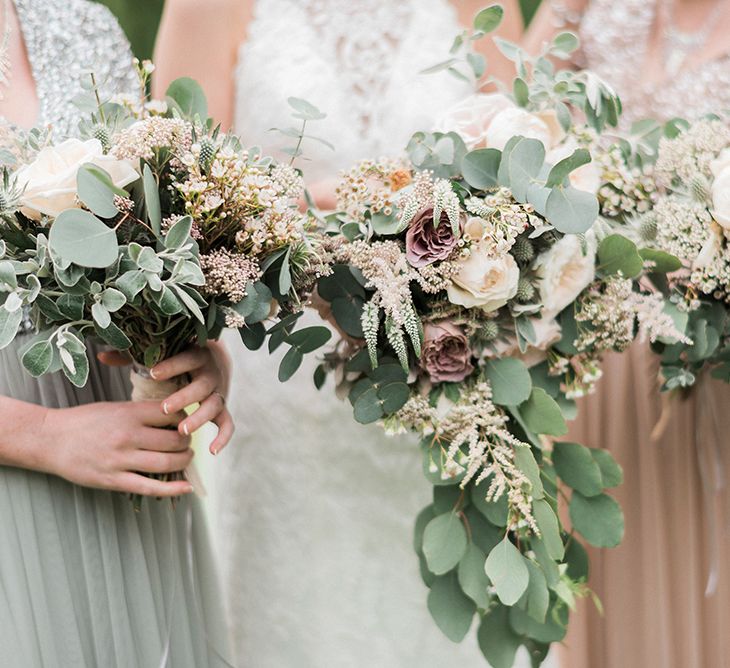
x=690 y=221
x=150 y=235
x=474 y=301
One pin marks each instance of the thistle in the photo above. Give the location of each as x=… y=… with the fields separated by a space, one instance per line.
x=648 y=227
x=700 y=189
x=523 y=251
x=101 y=133
x=525 y=290
x=207 y=153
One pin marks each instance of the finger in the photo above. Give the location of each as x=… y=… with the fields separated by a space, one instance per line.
x=134 y=483
x=151 y=414
x=162 y=440
x=114 y=358
x=185 y=362
x=226 y=428
x=209 y=409
x=147 y=461
x=194 y=392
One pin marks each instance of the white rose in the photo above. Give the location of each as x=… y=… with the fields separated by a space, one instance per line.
x=484 y=281
x=721 y=189
x=50 y=180
x=565 y=272
x=471 y=117
x=514 y=121
x=586 y=177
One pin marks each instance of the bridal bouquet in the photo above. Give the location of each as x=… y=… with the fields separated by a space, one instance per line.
x=691 y=222
x=150 y=235
x=475 y=295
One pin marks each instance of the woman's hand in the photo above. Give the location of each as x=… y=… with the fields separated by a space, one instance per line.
x=209 y=370
x=109 y=445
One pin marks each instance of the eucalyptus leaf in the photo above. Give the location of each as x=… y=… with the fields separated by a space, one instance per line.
x=537 y=597
x=480 y=168
x=80 y=237
x=571 y=211
x=472 y=578
x=450 y=608
x=521 y=163
x=444 y=543
x=664 y=263
x=290 y=363
x=560 y=171
x=617 y=254
x=611 y=473
x=510 y=381
x=547 y=522
x=542 y=414
x=497 y=640
x=188 y=96
x=577 y=468
x=94 y=191
x=598 y=518
x=506 y=569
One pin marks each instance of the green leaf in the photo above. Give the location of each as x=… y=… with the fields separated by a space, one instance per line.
x=562 y=169
x=548 y=565
x=547 y=522
x=565 y=43
x=571 y=211
x=256 y=305
x=525 y=462
x=285 y=274
x=522 y=160
x=577 y=468
x=495 y=511
x=38 y=358
x=309 y=339
x=152 y=199
x=189 y=98
x=472 y=578
x=424 y=517
x=253 y=337
x=553 y=630
x=305 y=110
x=483 y=533
x=480 y=168
x=510 y=381
x=488 y=19
x=664 y=263
x=521 y=92
x=80 y=237
x=598 y=518
x=617 y=254
x=101 y=315
x=131 y=283
x=542 y=415
x=113 y=299
x=497 y=641
x=179 y=233
x=114 y=337
x=537 y=596
x=347 y=312
x=368 y=407
x=611 y=473
x=506 y=568
x=444 y=543
x=9 y=324
x=450 y=608
x=93 y=187
x=290 y=363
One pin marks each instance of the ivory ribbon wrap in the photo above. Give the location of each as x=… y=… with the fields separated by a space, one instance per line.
x=146 y=388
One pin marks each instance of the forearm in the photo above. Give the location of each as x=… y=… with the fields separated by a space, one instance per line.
x=22 y=443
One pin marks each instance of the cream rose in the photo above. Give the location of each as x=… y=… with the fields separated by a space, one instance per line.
x=514 y=121
x=547 y=332
x=565 y=272
x=50 y=180
x=484 y=281
x=586 y=177
x=721 y=189
x=471 y=117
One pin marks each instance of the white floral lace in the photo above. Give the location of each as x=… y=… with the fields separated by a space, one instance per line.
x=615 y=36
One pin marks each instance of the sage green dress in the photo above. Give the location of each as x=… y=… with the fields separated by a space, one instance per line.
x=85 y=581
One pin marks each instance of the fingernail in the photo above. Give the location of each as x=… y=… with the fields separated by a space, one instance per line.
x=153 y=373
x=190 y=489
x=185 y=429
x=164 y=408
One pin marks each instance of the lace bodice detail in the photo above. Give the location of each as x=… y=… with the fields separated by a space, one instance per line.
x=357 y=61
x=615 y=35
x=66 y=39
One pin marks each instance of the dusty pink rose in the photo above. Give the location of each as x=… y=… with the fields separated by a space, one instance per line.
x=446 y=356
x=427 y=243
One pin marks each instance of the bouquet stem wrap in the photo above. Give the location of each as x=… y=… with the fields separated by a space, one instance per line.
x=146 y=388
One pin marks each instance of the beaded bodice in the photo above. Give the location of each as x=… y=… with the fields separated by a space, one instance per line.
x=616 y=34
x=65 y=39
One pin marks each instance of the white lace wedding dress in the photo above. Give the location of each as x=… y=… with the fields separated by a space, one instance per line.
x=312 y=512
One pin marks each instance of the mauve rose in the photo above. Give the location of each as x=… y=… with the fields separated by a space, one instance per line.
x=446 y=355
x=426 y=243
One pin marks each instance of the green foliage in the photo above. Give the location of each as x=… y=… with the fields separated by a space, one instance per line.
x=510 y=381
x=507 y=570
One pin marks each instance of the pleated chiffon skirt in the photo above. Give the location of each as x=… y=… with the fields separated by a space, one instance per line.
x=666 y=588
x=87 y=581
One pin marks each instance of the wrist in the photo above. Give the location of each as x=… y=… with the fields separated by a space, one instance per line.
x=46 y=444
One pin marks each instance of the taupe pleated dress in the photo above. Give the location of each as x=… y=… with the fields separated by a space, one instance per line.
x=85 y=581
x=666 y=589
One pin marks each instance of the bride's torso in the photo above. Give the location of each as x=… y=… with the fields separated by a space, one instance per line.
x=359 y=62
x=615 y=37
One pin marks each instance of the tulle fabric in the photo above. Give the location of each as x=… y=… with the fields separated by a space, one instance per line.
x=87 y=581
x=654 y=586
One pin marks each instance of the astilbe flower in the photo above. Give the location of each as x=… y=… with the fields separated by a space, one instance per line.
x=475 y=423
x=227 y=274
x=143 y=138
